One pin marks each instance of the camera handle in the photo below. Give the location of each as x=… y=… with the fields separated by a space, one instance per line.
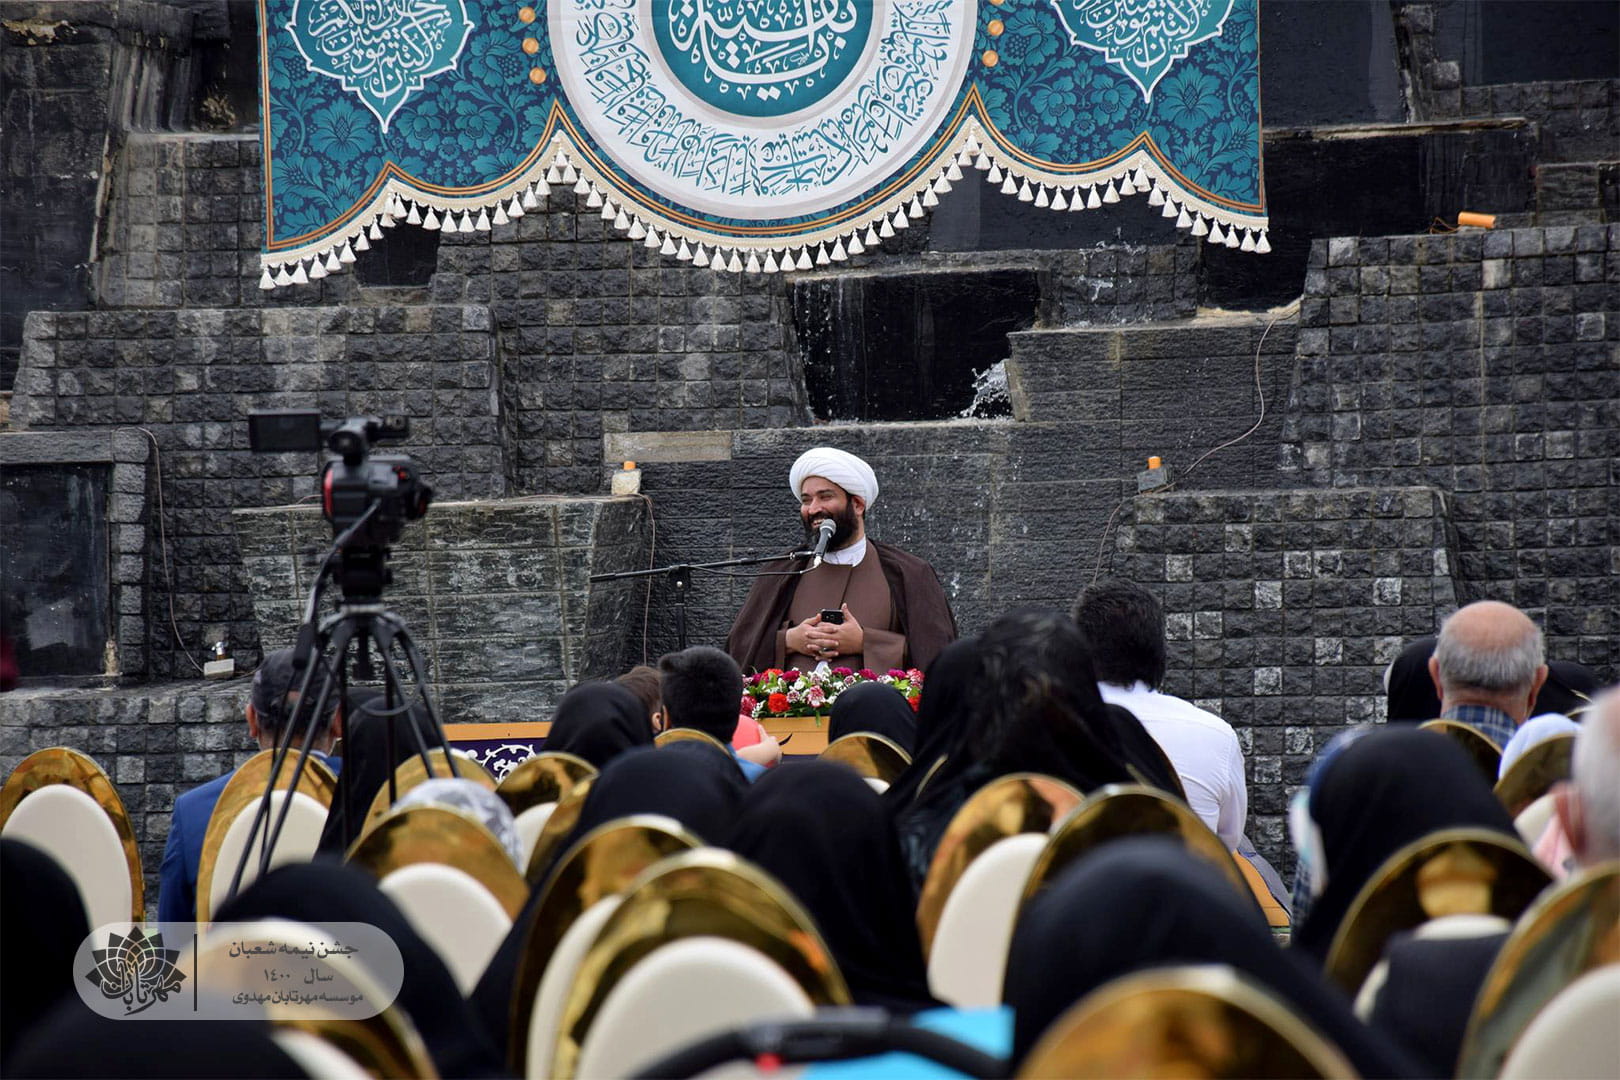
x=359 y=625
x=680 y=577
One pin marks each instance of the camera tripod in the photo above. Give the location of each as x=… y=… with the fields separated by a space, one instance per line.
x=362 y=623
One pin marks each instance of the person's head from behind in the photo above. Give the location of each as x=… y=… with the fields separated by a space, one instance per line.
x=701 y=688
x=1122 y=626
x=274 y=700
x=644 y=681
x=1036 y=689
x=1491 y=654
x=1589 y=803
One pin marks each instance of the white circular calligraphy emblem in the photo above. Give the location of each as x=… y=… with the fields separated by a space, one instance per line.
x=761 y=109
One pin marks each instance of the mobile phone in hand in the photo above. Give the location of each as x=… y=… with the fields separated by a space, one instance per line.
x=832 y=615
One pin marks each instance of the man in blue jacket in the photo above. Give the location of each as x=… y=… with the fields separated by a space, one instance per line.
x=270 y=705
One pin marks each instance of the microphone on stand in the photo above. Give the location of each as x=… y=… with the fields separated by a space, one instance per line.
x=825 y=529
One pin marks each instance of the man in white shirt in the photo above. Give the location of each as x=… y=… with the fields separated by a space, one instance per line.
x=1123 y=625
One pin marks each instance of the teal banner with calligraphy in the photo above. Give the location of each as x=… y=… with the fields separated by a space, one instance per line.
x=748 y=135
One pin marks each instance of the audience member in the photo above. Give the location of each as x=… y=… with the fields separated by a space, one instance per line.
x=1141 y=903
x=1388 y=788
x=1588 y=804
x=1488 y=666
x=1122 y=624
x=644 y=681
x=876 y=708
x=271 y=702
x=690 y=783
x=323 y=892
x=701 y=690
x=1408 y=688
x=73 y=1042
x=368 y=763
x=821 y=831
x=598 y=721
x=42 y=921
x=1027 y=701
x=477 y=802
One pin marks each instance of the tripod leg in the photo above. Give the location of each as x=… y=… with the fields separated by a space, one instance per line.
x=393 y=631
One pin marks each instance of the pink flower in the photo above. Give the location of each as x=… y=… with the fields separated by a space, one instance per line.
x=843 y=672
x=747 y=704
x=868 y=673
x=792 y=675
x=896 y=673
x=816 y=695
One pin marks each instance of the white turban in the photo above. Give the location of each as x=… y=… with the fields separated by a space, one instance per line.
x=842 y=468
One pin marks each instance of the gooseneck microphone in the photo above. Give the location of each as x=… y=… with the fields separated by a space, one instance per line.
x=824 y=530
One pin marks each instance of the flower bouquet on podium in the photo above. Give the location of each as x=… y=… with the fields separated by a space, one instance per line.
x=775 y=693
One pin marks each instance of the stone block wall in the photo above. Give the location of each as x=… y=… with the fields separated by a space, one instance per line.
x=153 y=742
x=190 y=377
x=1486 y=365
x=495 y=594
x=1283 y=608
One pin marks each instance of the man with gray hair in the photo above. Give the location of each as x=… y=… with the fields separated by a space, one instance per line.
x=1588 y=804
x=1487 y=667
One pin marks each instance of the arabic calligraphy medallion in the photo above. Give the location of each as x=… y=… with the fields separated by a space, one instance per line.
x=381 y=51
x=762 y=109
x=764 y=58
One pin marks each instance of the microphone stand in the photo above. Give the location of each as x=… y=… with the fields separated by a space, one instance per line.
x=680 y=576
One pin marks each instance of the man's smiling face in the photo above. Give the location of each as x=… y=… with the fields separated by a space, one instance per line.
x=821 y=498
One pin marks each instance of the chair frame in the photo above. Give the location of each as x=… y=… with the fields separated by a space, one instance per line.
x=245 y=788
x=605 y=862
x=1007 y=806
x=64 y=765
x=1108 y=1031
x=558 y=827
x=1485 y=753
x=444 y=835
x=706 y=892
x=544 y=778
x=1396 y=897
x=872 y=756
x=413 y=771
x=1569 y=931
x=1118 y=810
x=1535 y=772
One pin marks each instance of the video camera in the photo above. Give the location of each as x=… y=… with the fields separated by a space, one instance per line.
x=353 y=482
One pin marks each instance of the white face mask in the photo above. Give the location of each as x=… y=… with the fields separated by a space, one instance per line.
x=1307 y=838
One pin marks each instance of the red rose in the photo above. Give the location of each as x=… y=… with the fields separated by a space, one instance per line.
x=913 y=700
x=777 y=703
x=791 y=675
x=868 y=673
x=747 y=705
x=896 y=673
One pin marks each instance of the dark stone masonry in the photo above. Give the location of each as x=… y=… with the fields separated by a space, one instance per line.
x=1363 y=430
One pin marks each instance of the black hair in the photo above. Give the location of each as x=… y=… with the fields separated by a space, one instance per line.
x=702 y=689
x=1123 y=627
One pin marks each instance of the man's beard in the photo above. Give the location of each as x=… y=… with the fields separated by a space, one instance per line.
x=844 y=531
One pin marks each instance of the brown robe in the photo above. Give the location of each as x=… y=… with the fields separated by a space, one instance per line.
x=919 y=613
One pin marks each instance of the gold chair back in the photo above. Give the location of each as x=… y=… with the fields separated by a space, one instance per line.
x=556 y=829
x=1467 y=871
x=686 y=734
x=244 y=789
x=1204 y=1021
x=871 y=755
x=1120 y=810
x=1569 y=931
x=701 y=893
x=440 y=834
x=603 y=863
x=1486 y=754
x=386 y=1044
x=1536 y=771
x=62 y=765
x=541 y=779
x=412 y=771
x=1007 y=806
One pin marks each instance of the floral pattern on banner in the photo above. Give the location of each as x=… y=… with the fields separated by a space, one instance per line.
x=1021 y=95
